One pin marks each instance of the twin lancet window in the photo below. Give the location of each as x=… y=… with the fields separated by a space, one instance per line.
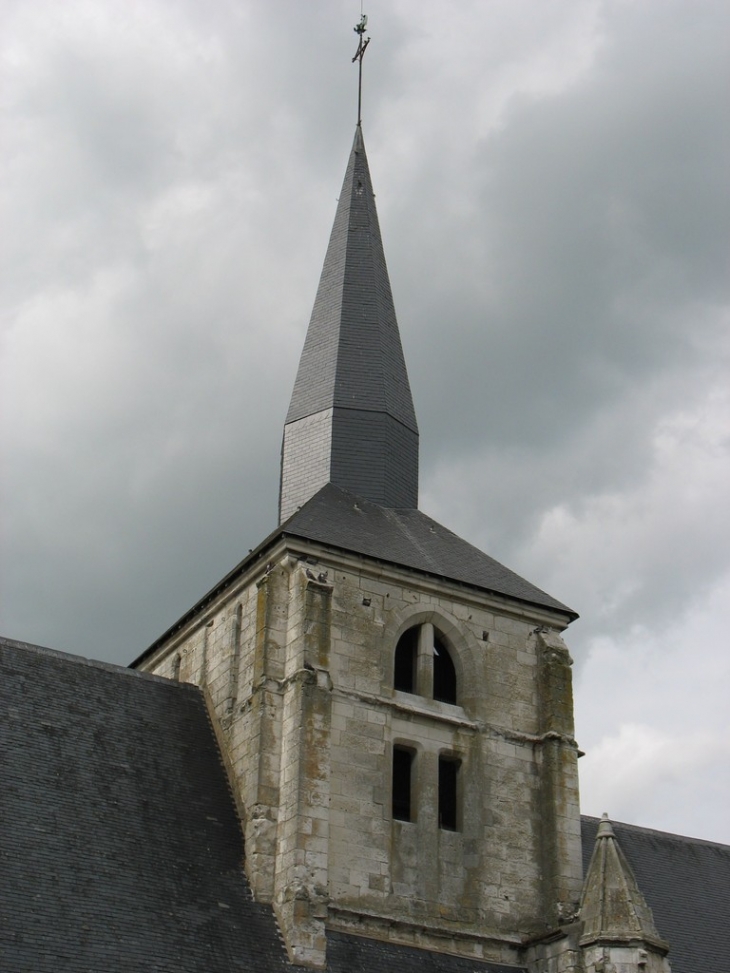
x=404 y=786
x=423 y=666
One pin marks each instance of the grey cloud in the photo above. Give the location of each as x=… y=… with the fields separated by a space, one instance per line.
x=600 y=245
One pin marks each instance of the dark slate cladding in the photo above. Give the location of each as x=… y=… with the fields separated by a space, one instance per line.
x=120 y=846
x=353 y=358
x=686 y=883
x=355 y=954
x=408 y=538
x=373 y=454
x=352 y=354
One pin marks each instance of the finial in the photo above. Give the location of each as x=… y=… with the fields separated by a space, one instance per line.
x=605 y=830
x=359 y=54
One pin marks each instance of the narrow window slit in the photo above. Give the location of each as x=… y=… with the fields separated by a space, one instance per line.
x=448 y=793
x=406 y=655
x=402 y=783
x=444 y=673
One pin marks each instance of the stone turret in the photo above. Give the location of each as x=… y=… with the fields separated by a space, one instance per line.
x=618 y=934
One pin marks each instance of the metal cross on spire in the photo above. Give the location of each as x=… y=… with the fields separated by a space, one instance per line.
x=359 y=54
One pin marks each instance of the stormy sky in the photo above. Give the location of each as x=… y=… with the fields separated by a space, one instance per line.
x=551 y=179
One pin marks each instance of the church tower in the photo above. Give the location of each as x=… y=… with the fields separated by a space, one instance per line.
x=394 y=706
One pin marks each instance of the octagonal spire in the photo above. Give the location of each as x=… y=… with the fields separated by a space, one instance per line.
x=351 y=420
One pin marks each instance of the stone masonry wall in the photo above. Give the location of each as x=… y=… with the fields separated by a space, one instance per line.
x=297 y=662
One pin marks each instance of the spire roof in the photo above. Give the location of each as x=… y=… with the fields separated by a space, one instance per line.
x=351 y=419
x=612 y=906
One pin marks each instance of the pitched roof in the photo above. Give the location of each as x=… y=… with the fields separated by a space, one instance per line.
x=120 y=848
x=411 y=539
x=355 y=954
x=403 y=537
x=686 y=883
x=352 y=373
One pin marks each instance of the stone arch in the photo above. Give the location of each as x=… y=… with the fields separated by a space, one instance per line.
x=461 y=644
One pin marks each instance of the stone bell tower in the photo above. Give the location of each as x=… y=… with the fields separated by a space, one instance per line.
x=394 y=706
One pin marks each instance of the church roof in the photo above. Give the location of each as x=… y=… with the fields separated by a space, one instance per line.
x=351 y=419
x=120 y=846
x=686 y=882
x=403 y=537
x=408 y=538
x=356 y=954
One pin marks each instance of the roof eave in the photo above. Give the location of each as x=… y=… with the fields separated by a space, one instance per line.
x=566 y=613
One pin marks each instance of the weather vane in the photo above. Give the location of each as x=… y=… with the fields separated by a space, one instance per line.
x=359 y=54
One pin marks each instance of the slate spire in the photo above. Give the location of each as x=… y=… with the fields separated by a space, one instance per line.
x=351 y=420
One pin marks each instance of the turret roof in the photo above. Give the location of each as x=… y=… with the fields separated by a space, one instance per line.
x=686 y=882
x=613 y=908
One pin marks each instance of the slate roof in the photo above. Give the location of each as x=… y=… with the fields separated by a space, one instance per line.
x=355 y=954
x=351 y=419
x=407 y=537
x=352 y=354
x=120 y=848
x=686 y=883
x=401 y=536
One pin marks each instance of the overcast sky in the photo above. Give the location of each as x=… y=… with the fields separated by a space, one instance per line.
x=552 y=184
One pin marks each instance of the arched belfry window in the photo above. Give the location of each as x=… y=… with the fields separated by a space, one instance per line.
x=448 y=790
x=423 y=664
x=444 y=674
x=406 y=658
x=403 y=770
